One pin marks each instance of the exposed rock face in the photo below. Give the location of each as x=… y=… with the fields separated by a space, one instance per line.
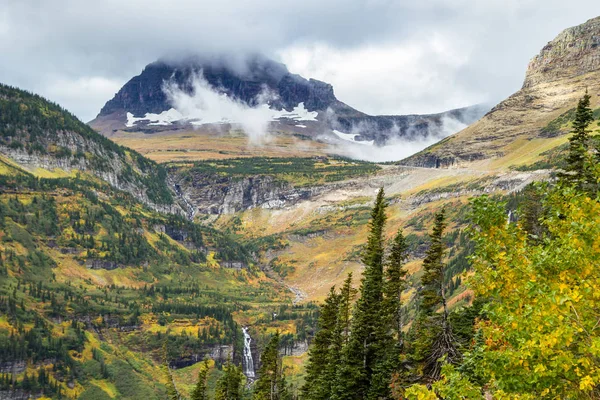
x=143 y=93
x=39 y=134
x=219 y=353
x=556 y=79
x=575 y=51
x=249 y=82
x=210 y=194
x=385 y=128
x=112 y=171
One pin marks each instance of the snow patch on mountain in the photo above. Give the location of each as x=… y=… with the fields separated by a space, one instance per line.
x=351 y=137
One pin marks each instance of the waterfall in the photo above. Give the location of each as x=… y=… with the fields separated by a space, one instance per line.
x=248 y=363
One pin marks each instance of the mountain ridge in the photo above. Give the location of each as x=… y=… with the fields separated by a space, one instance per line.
x=555 y=80
x=259 y=79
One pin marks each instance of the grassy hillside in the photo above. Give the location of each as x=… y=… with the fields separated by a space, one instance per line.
x=93 y=284
x=39 y=134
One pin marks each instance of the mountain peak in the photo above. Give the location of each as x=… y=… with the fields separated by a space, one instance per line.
x=243 y=78
x=575 y=51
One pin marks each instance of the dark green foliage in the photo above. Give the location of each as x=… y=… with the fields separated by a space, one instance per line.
x=200 y=391
x=577 y=171
x=431 y=339
x=369 y=338
x=229 y=385
x=31 y=123
x=318 y=385
x=271 y=383
x=395 y=285
x=531 y=213
x=298 y=171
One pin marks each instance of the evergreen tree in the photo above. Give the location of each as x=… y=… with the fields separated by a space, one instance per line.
x=433 y=297
x=318 y=383
x=396 y=284
x=391 y=320
x=367 y=339
x=271 y=384
x=229 y=385
x=577 y=172
x=347 y=295
x=172 y=393
x=200 y=391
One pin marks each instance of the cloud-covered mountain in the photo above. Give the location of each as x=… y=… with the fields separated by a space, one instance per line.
x=257 y=93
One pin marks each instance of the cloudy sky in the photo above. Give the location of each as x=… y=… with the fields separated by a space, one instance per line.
x=382 y=56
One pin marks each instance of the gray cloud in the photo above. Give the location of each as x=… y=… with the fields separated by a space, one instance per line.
x=382 y=56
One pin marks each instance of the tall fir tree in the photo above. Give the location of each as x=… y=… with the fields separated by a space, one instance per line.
x=229 y=385
x=396 y=284
x=318 y=385
x=367 y=340
x=271 y=384
x=433 y=297
x=347 y=295
x=200 y=391
x=391 y=321
x=577 y=171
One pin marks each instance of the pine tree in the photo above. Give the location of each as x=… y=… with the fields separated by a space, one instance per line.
x=396 y=284
x=367 y=340
x=270 y=384
x=443 y=345
x=200 y=391
x=577 y=172
x=347 y=295
x=172 y=393
x=391 y=321
x=318 y=384
x=229 y=385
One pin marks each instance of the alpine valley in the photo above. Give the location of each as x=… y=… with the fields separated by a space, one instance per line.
x=214 y=202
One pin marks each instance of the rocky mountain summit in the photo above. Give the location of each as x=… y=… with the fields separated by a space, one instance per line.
x=254 y=81
x=575 y=51
x=532 y=117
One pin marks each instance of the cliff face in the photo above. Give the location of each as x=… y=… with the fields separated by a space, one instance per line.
x=143 y=93
x=575 y=51
x=210 y=194
x=35 y=133
x=556 y=79
x=249 y=82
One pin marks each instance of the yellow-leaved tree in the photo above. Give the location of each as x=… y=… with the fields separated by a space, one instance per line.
x=539 y=334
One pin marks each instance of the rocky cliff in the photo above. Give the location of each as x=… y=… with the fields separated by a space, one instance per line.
x=252 y=81
x=575 y=51
x=556 y=78
x=211 y=194
x=244 y=81
x=37 y=134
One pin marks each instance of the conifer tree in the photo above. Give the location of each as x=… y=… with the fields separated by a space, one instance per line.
x=200 y=391
x=172 y=393
x=318 y=384
x=433 y=297
x=577 y=172
x=396 y=284
x=367 y=339
x=347 y=294
x=229 y=386
x=390 y=321
x=270 y=384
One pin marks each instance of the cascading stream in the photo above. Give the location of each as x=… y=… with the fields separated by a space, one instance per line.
x=248 y=360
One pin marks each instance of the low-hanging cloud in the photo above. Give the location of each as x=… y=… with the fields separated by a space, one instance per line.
x=464 y=51
x=206 y=105
x=398 y=148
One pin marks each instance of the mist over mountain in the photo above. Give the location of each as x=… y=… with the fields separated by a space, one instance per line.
x=262 y=95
